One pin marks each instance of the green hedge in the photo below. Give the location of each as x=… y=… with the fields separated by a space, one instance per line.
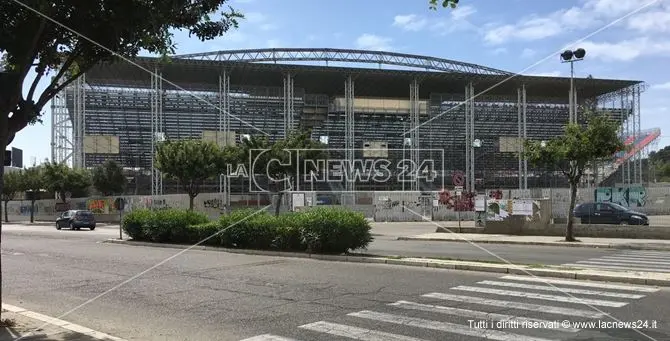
x=320 y=230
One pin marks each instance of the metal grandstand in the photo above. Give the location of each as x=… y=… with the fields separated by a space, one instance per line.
x=119 y=110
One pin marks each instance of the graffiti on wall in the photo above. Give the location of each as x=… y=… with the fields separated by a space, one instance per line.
x=632 y=196
x=464 y=202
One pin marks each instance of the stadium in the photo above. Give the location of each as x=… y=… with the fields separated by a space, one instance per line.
x=470 y=118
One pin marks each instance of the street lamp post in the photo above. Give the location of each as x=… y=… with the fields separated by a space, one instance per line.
x=571 y=57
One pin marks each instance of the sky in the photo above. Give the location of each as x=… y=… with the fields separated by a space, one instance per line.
x=520 y=36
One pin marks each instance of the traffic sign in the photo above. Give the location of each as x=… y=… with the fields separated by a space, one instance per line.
x=459 y=189
x=458 y=179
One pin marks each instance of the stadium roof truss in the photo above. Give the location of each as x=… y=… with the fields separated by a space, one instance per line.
x=346 y=55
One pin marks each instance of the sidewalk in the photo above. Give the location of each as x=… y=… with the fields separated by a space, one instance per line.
x=612 y=243
x=32 y=326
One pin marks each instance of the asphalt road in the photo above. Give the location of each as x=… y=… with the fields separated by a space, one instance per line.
x=201 y=295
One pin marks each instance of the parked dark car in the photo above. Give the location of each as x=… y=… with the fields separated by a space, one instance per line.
x=76 y=219
x=609 y=213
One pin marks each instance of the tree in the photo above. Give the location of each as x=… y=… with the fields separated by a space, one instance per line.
x=108 y=178
x=35 y=38
x=285 y=160
x=190 y=162
x=11 y=186
x=574 y=151
x=33 y=183
x=61 y=179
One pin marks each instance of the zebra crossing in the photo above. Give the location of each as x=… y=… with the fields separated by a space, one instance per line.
x=504 y=309
x=631 y=260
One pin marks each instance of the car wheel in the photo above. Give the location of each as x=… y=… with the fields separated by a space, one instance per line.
x=92 y=228
x=58 y=226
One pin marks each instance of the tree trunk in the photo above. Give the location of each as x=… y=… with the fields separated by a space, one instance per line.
x=190 y=201
x=569 y=233
x=280 y=195
x=6 y=216
x=32 y=211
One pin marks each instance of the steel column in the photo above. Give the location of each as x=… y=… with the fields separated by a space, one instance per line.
x=519 y=137
x=471 y=176
x=349 y=132
x=62 y=145
x=224 y=131
x=414 y=118
x=525 y=136
x=156 y=129
x=289 y=99
x=79 y=122
x=638 y=115
x=468 y=138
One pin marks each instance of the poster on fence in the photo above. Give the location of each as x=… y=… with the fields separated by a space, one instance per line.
x=480 y=204
x=522 y=207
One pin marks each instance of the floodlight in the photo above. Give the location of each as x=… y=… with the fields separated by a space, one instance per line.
x=566 y=55
x=580 y=53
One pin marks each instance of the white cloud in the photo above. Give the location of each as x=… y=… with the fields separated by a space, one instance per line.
x=653 y=21
x=663 y=86
x=592 y=13
x=373 y=42
x=626 y=50
x=410 y=22
x=462 y=12
x=456 y=21
x=528 y=53
x=546 y=74
x=267 y=27
x=255 y=17
x=499 y=51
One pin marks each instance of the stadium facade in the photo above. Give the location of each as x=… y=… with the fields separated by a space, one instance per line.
x=120 y=110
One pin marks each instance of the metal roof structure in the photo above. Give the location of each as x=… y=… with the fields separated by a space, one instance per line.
x=200 y=74
x=345 y=55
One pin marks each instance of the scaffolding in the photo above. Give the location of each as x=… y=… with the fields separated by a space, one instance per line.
x=145 y=112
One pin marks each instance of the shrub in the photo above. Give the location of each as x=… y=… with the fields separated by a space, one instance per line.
x=248 y=229
x=163 y=226
x=134 y=223
x=332 y=230
x=319 y=230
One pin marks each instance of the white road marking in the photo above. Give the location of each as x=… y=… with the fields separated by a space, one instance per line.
x=61 y=323
x=536 y=296
x=355 y=332
x=561 y=289
x=269 y=337
x=478 y=314
x=648 y=253
x=485 y=333
x=633 y=260
x=603 y=265
x=516 y=305
x=601 y=285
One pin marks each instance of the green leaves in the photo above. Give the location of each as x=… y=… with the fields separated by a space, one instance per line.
x=191 y=162
x=11 y=185
x=445 y=3
x=59 y=178
x=97 y=31
x=578 y=147
x=109 y=179
x=32 y=179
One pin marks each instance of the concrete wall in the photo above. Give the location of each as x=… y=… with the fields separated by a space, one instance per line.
x=383 y=206
x=524 y=228
x=210 y=203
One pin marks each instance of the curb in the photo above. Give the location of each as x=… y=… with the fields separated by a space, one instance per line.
x=59 y=323
x=582 y=274
x=557 y=244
